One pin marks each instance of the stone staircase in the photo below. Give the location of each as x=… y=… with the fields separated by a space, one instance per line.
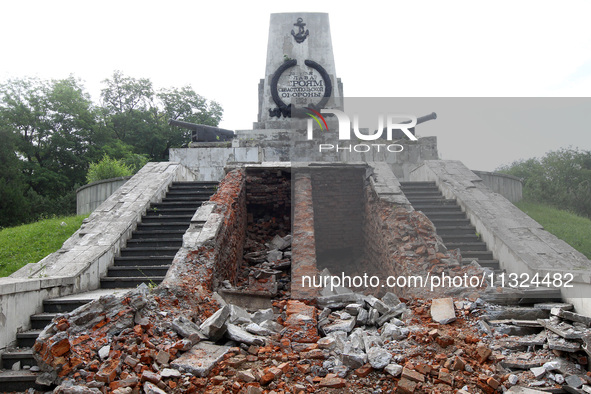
x=456 y=231
x=451 y=222
x=146 y=259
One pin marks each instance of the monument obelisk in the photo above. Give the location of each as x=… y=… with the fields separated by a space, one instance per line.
x=300 y=70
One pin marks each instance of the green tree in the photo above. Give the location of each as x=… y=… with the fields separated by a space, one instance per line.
x=138 y=116
x=54 y=122
x=561 y=178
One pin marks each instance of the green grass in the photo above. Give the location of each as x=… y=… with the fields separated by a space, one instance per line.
x=30 y=243
x=573 y=229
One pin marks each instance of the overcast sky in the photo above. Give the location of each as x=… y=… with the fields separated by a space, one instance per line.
x=381 y=49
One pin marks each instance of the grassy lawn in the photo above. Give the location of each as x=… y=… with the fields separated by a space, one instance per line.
x=574 y=230
x=30 y=243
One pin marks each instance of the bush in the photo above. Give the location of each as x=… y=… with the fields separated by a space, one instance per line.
x=562 y=179
x=107 y=168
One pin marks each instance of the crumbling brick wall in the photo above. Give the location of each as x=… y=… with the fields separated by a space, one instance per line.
x=268 y=201
x=401 y=242
x=231 y=200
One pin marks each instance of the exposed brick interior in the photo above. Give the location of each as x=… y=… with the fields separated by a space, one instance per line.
x=338 y=210
x=268 y=201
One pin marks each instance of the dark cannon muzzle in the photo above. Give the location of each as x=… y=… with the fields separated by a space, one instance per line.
x=204 y=133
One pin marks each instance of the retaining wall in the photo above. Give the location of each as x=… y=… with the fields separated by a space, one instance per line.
x=507 y=186
x=520 y=243
x=90 y=196
x=86 y=255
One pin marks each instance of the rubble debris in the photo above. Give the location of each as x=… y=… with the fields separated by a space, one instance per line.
x=187 y=340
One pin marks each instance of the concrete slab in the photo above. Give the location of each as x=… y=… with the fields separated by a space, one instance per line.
x=94 y=295
x=442 y=310
x=201 y=359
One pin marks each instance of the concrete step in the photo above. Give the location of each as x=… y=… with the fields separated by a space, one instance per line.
x=529 y=296
x=19 y=381
x=477 y=254
x=163 y=227
x=155 y=242
x=460 y=238
x=203 y=184
x=148 y=252
x=131 y=282
x=430 y=208
x=25 y=356
x=173 y=204
x=189 y=192
x=416 y=194
x=41 y=320
x=63 y=306
x=138 y=261
x=139 y=234
x=136 y=271
x=494 y=264
x=440 y=222
x=27 y=338
x=433 y=201
x=171 y=211
x=162 y=219
x=416 y=183
x=455 y=230
x=467 y=246
x=445 y=215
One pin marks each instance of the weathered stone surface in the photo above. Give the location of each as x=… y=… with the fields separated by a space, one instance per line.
x=170 y=373
x=378 y=357
x=393 y=369
x=255 y=329
x=340 y=325
x=185 y=327
x=392 y=331
x=238 y=315
x=442 y=310
x=339 y=301
x=263 y=315
x=240 y=335
x=104 y=352
x=151 y=388
x=391 y=299
x=200 y=359
x=215 y=326
x=353 y=358
x=574 y=381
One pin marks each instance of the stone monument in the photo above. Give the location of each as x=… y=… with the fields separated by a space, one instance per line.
x=300 y=71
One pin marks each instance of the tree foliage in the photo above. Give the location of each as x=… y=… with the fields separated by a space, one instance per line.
x=107 y=168
x=561 y=178
x=52 y=131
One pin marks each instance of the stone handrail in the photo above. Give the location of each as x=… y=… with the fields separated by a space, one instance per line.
x=520 y=243
x=87 y=254
x=89 y=197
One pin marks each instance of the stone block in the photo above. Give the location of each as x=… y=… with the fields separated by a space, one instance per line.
x=201 y=359
x=215 y=326
x=443 y=311
x=378 y=357
x=237 y=334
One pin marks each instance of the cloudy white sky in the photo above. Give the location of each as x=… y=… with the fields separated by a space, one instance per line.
x=381 y=49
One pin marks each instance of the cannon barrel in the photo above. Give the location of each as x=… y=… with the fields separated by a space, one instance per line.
x=423 y=119
x=204 y=133
x=397 y=134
